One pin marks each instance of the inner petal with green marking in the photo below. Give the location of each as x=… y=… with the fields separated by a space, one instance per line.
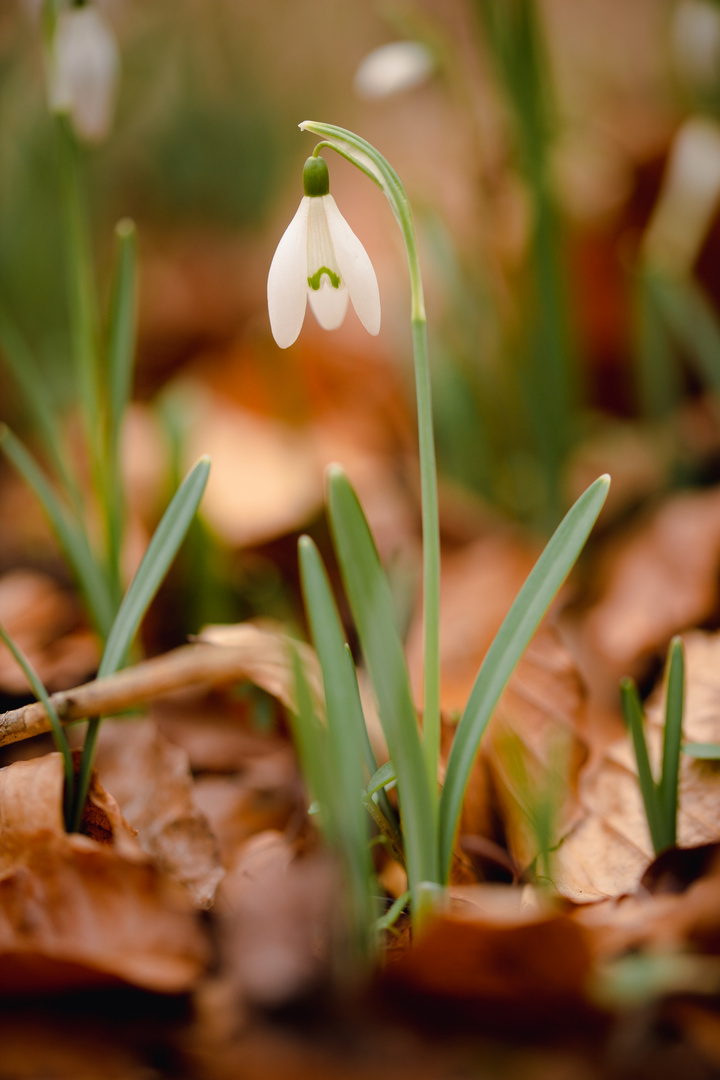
x=321 y=259
x=314 y=281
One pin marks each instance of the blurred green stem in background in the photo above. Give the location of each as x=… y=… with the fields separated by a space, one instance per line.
x=513 y=34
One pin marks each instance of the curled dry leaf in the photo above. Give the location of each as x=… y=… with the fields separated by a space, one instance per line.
x=478 y=586
x=506 y=953
x=152 y=783
x=44 y=620
x=534 y=748
x=658 y=578
x=536 y=730
x=81 y=911
x=276 y=914
x=266 y=479
x=267 y=658
x=661 y=922
x=607 y=853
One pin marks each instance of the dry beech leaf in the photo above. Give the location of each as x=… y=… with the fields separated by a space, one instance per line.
x=81 y=911
x=268 y=658
x=151 y=781
x=506 y=952
x=478 y=587
x=658 y=578
x=534 y=747
x=215 y=730
x=537 y=718
x=276 y=915
x=44 y=621
x=266 y=479
x=662 y=922
x=607 y=853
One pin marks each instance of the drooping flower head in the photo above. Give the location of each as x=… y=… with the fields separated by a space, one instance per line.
x=321 y=259
x=84 y=65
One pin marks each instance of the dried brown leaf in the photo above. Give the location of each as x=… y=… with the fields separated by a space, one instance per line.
x=44 y=620
x=267 y=658
x=506 y=952
x=276 y=914
x=266 y=479
x=606 y=854
x=80 y=911
x=656 y=579
x=152 y=783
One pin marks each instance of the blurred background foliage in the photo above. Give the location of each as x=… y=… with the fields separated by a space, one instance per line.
x=571 y=331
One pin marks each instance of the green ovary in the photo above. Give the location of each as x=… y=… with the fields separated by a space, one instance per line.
x=314 y=281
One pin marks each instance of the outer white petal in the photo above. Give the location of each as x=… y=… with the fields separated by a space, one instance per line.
x=328 y=304
x=397 y=66
x=85 y=68
x=287 y=285
x=356 y=270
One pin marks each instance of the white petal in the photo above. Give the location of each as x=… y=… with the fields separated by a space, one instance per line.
x=287 y=281
x=397 y=66
x=356 y=270
x=328 y=304
x=84 y=75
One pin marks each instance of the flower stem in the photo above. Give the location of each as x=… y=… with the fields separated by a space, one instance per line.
x=431 y=556
x=370 y=161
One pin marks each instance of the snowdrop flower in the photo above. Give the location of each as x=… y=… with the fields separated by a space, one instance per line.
x=321 y=259
x=399 y=65
x=688 y=198
x=84 y=66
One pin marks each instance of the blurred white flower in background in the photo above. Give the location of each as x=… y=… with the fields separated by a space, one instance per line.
x=696 y=41
x=400 y=65
x=688 y=198
x=84 y=66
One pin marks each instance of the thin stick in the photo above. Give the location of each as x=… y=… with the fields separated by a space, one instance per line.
x=262 y=661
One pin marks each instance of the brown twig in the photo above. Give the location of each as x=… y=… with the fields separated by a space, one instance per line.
x=262 y=657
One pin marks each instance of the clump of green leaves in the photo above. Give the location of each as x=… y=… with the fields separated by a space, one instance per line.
x=660 y=797
x=82 y=494
x=339 y=764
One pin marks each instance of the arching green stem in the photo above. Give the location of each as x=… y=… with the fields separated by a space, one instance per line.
x=366 y=158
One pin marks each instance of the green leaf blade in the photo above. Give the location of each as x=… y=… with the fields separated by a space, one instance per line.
x=122 y=325
x=634 y=718
x=372 y=609
x=69 y=534
x=519 y=625
x=672 y=741
x=155 y=564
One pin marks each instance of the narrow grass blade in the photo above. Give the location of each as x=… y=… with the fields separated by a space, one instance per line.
x=703 y=751
x=658 y=371
x=59 y=736
x=388 y=920
x=310 y=738
x=70 y=536
x=25 y=371
x=519 y=625
x=341 y=814
x=120 y=355
x=385 y=775
x=345 y=720
x=82 y=298
x=693 y=322
x=122 y=324
x=160 y=553
x=633 y=712
x=372 y=609
x=370 y=760
x=672 y=740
